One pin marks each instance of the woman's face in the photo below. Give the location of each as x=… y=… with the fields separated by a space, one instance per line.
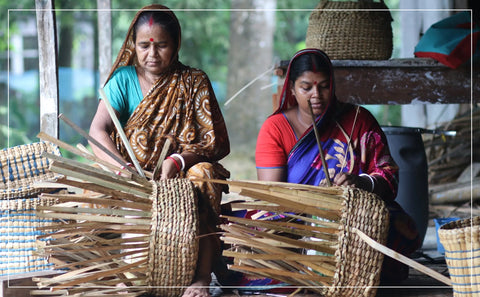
x=154 y=48
x=313 y=86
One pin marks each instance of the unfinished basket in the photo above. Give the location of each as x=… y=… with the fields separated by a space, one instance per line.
x=351 y=30
x=294 y=219
x=119 y=236
x=21 y=166
x=461 y=240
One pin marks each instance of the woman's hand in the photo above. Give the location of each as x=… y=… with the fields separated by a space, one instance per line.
x=353 y=180
x=170 y=168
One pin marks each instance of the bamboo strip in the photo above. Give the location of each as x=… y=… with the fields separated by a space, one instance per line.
x=163 y=154
x=316 y=221
x=76 y=151
x=319 y=144
x=80 y=231
x=98 y=211
x=293 y=205
x=120 y=132
x=282 y=256
x=96 y=225
x=99 y=201
x=82 y=175
x=331 y=193
x=326 y=268
x=295 y=229
x=321 y=246
x=269 y=249
x=397 y=256
x=99 y=145
x=274 y=273
x=98 y=173
x=115 y=256
x=101 y=274
x=94 y=218
x=103 y=190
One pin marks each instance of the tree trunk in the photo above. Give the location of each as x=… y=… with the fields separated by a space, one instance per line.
x=251 y=54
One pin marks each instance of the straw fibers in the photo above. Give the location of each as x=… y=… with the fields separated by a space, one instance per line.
x=302 y=235
x=118 y=237
x=461 y=240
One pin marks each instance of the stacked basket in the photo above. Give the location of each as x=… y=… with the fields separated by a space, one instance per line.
x=20 y=167
x=461 y=240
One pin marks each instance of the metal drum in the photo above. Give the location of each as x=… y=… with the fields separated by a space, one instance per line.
x=408 y=151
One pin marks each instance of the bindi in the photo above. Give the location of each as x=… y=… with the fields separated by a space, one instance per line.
x=315 y=83
x=151 y=39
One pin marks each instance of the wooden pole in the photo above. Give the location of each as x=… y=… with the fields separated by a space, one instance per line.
x=104 y=38
x=48 y=68
x=320 y=150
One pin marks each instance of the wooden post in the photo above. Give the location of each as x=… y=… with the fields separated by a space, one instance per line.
x=104 y=39
x=48 y=70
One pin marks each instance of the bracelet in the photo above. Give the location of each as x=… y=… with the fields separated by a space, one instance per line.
x=371 y=180
x=180 y=158
x=128 y=164
x=174 y=162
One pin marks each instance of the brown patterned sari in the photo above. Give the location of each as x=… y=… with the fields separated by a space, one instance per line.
x=180 y=106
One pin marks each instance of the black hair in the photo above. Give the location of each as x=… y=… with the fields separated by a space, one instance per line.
x=162 y=18
x=308 y=62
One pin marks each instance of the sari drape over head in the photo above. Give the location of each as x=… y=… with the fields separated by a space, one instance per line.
x=181 y=106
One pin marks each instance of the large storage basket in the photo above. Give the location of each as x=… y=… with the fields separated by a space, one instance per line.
x=351 y=30
x=20 y=167
x=461 y=240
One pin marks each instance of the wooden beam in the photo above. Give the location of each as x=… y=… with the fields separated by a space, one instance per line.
x=403 y=81
x=48 y=69
x=400 y=81
x=104 y=38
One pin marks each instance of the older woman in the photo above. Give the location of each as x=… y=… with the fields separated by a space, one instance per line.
x=156 y=97
x=355 y=147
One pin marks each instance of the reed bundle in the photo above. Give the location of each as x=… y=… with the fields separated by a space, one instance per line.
x=119 y=236
x=306 y=237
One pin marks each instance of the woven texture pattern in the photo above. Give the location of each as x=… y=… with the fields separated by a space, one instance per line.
x=18 y=232
x=21 y=166
x=358 y=264
x=461 y=240
x=302 y=236
x=351 y=30
x=174 y=245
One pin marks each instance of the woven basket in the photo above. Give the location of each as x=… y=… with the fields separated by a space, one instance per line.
x=351 y=30
x=21 y=166
x=156 y=253
x=461 y=240
x=18 y=233
x=338 y=262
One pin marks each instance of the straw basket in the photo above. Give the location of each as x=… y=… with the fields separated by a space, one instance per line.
x=319 y=220
x=461 y=240
x=121 y=238
x=351 y=30
x=19 y=228
x=21 y=166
